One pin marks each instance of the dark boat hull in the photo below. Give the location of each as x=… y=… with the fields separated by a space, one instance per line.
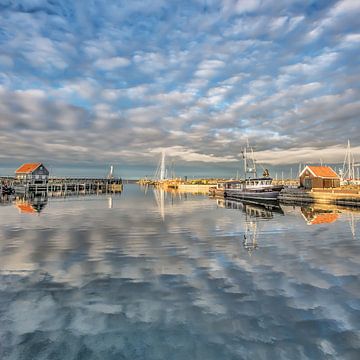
x=252 y=195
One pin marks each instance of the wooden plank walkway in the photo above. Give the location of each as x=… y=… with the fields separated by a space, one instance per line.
x=65 y=185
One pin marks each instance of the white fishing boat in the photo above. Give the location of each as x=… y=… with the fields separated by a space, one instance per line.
x=251 y=187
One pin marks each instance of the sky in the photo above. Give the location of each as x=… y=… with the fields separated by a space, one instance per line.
x=86 y=84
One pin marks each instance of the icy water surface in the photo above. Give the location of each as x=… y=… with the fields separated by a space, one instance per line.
x=159 y=276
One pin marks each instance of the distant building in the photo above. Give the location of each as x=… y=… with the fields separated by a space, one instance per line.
x=32 y=173
x=319 y=177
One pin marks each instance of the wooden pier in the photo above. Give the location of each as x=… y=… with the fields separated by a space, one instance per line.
x=65 y=185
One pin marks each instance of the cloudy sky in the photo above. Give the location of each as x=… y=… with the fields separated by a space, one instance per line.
x=85 y=84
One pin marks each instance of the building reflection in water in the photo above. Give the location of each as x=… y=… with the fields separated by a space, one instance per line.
x=316 y=216
x=35 y=203
x=32 y=204
x=327 y=214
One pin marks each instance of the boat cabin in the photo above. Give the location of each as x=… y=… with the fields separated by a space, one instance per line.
x=251 y=182
x=258 y=182
x=32 y=173
x=319 y=177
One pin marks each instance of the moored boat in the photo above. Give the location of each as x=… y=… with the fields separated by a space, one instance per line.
x=217 y=190
x=252 y=187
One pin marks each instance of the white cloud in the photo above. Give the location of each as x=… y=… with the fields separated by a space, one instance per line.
x=112 y=63
x=209 y=68
x=197 y=78
x=345 y=7
x=312 y=65
x=310 y=155
x=353 y=38
x=190 y=155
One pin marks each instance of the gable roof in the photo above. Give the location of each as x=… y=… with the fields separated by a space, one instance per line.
x=321 y=171
x=325 y=218
x=27 y=168
x=25 y=207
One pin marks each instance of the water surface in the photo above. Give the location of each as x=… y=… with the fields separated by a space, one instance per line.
x=146 y=275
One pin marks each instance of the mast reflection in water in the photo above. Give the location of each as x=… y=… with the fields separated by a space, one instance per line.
x=167 y=276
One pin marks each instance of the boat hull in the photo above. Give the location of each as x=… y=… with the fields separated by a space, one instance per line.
x=251 y=195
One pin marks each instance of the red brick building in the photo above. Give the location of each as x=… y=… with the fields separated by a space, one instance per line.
x=319 y=177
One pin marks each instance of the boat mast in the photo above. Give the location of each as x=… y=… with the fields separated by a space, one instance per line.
x=243 y=152
x=348 y=171
x=253 y=163
x=162 y=166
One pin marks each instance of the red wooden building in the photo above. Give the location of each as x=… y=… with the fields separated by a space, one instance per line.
x=32 y=173
x=319 y=177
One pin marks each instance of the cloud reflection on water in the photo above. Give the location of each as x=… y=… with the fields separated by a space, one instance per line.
x=86 y=281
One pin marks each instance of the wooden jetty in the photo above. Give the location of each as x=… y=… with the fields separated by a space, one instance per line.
x=75 y=185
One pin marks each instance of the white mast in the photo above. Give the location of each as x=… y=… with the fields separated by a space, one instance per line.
x=162 y=166
x=348 y=171
x=111 y=172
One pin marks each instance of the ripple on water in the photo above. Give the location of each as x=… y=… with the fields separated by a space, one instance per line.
x=181 y=279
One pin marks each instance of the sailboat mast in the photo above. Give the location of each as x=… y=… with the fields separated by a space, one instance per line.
x=162 y=166
x=349 y=159
x=253 y=163
x=245 y=162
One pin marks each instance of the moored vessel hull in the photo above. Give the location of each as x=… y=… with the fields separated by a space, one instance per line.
x=252 y=195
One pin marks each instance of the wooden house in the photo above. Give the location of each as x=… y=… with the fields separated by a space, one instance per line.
x=32 y=173
x=319 y=177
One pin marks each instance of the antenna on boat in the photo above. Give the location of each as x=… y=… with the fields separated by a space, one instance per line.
x=243 y=152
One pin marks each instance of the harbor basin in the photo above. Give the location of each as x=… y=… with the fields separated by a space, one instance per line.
x=149 y=274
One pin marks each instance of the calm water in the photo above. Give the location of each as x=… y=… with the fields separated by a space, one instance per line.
x=158 y=276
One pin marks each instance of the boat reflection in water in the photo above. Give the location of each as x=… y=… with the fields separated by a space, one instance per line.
x=252 y=209
x=254 y=212
x=33 y=204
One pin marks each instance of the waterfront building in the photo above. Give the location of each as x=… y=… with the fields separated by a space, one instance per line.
x=32 y=173
x=319 y=177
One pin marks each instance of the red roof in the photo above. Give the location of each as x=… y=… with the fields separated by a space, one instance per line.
x=325 y=218
x=323 y=171
x=25 y=207
x=27 y=168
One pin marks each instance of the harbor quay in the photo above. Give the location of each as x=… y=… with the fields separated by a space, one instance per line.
x=292 y=192
x=337 y=196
